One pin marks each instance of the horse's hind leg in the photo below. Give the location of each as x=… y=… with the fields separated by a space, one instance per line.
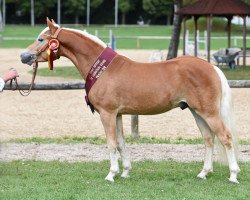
x=209 y=144
x=217 y=126
x=109 y=123
x=121 y=148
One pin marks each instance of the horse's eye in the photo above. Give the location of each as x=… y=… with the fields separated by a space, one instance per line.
x=40 y=39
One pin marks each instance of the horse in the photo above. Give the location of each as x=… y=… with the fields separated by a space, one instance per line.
x=125 y=86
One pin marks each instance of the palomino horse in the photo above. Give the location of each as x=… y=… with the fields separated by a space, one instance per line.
x=129 y=87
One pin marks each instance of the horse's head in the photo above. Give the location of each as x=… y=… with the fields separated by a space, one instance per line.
x=45 y=47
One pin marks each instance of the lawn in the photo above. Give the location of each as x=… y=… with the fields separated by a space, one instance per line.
x=126 y=36
x=149 y=180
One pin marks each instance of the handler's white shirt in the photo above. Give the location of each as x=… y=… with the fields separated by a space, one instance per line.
x=2 y=83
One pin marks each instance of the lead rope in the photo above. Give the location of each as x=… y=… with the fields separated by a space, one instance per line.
x=23 y=92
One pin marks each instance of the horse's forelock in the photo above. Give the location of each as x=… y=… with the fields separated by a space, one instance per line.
x=43 y=31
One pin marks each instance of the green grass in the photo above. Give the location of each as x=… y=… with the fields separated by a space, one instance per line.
x=241 y=73
x=102 y=140
x=149 y=180
x=125 y=35
x=65 y=72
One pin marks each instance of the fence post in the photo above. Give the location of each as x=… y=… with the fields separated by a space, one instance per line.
x=135 y=126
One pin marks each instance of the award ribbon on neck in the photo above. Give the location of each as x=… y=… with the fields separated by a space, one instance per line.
x=53 y=48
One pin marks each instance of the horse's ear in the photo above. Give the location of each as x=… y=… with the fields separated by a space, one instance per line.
x=52 y=20
x=51 y=26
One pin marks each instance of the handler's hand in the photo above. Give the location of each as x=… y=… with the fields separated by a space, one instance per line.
x=10 y=75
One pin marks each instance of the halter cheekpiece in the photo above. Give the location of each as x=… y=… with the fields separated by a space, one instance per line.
x=99 y=66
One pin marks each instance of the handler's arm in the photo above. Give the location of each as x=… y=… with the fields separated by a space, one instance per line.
x=2 y=83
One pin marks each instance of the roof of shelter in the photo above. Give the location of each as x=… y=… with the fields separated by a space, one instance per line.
x=216 y=7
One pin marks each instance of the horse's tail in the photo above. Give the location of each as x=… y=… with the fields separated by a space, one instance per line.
x=226 y=112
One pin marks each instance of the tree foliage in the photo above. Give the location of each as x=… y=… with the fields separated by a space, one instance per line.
x=95 y=3
x=41 y=7
x=74 y=7
x=158 y=7
x=247 y=1
x=126 y=6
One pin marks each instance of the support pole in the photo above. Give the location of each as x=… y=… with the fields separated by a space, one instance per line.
x=184 y=36
x=229 y=20
x=32 y=13
x=4 y=13
x=195 y=35
x=135 y=126
x=209 y=20
x=116 y=13
x=59 y=12
x=88 y=12
x=244 y=40
x=1 y=20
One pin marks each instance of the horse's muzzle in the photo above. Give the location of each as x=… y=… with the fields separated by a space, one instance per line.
x=27 y=58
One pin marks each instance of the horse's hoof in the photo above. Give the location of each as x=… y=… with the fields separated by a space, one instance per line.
x=233 y=180
x=201 y=176
x=125 y=175
x=110 y=179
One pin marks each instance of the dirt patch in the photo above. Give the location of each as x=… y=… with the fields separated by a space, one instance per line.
x=89 y=152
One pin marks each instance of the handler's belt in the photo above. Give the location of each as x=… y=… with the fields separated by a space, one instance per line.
x=99 y=66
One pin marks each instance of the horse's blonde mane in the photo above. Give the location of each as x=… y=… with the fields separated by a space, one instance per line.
x=86 y=34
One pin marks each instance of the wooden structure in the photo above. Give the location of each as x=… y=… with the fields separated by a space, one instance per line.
x=221 y=8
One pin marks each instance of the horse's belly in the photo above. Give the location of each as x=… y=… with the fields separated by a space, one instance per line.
x=147 y=106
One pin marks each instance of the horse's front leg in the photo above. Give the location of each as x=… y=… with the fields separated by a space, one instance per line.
x=109 y=124
x=122 y=148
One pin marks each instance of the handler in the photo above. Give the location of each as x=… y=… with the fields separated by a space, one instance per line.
x=8 y=76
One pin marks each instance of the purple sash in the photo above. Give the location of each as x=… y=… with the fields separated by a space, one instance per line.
x=100 y=65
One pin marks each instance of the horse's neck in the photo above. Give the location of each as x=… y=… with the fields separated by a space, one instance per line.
x=82 y=51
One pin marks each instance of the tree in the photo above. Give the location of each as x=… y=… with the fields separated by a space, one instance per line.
x=174 y=42
x=75 y=7
x=159 y=8
x=78 y=7
x=125 y=6
x=95 y=3
x=41 y=7
x=247 y=1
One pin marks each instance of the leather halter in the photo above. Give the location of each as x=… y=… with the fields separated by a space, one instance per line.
x=35 y=65
x=44 y=47
x=52 y=45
